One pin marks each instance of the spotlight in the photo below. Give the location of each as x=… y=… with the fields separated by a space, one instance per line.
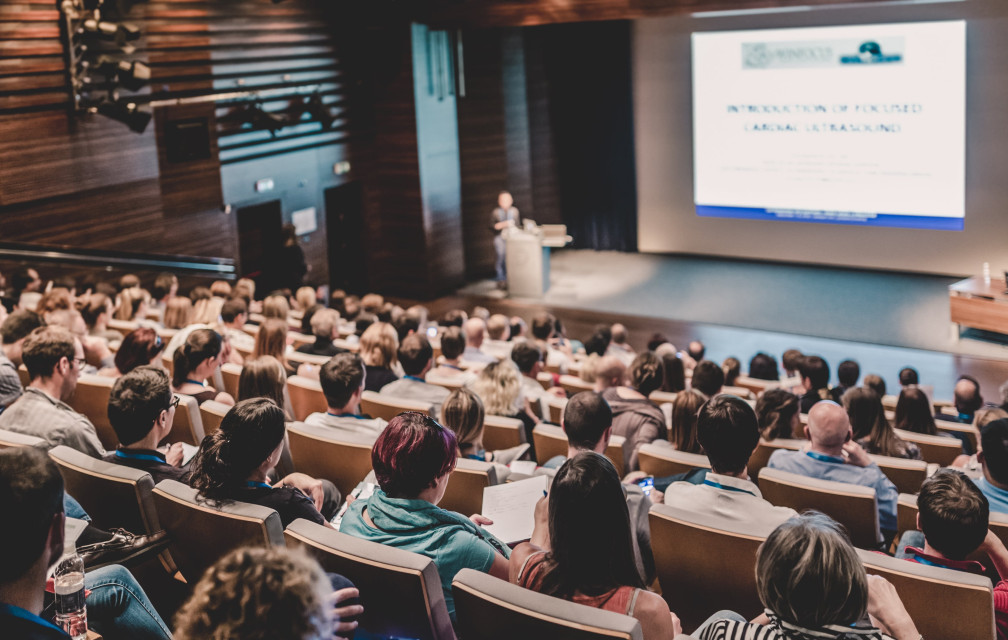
x=120 y=32
x=319 y=111
x=126 y=113
x=131 y=74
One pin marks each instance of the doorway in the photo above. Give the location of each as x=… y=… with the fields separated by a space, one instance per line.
x=260 y=229
x=345 y=238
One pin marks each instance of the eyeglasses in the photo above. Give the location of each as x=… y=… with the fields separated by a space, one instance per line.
x=81 y=362
x=174 y=402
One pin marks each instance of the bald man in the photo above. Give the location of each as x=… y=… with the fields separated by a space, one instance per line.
x=475 y=332
x=833 y=455
x=609 y=372
x=619 y=346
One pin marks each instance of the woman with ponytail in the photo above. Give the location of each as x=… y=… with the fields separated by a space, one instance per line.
x=237 y=461
x=196 y=360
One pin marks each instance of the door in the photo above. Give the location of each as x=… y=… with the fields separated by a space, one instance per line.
x=259 y=242
x=345 y=228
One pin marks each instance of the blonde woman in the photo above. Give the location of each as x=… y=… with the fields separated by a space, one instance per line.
x=178 y=313
x=378 y=346
x=463 y=413
x=207 y=311
x=304 y=299
x=271 y=340
x=499 y=387
x=276 y=307
x=264 y=377
x=132 y=304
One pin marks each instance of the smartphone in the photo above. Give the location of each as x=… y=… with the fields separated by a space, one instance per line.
x=646 y=484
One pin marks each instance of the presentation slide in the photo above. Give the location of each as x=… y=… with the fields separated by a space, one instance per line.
x=858 y=125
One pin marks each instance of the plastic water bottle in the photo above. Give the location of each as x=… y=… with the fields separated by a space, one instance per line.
x=986 y=273
x=71 y=611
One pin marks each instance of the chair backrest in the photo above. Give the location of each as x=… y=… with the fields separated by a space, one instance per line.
x=187 y=425
x=306 y=397
x=464 y=493
x=388 y=407
x=545 y=379
x=400 y=591
x=493 y=609
x=551 y=441
x=704 y=564
x=556 y=407
x=943 y=603
x=13 y=439
x=113 y=494
x=231 y=374
x=323 y=452
x=937 y=449
x=211 y=414
x=906 y=520
x=756 y=385
x=662 y=397
x=851 y=505
x=907 y=475
x=24 y=375
x=502 y=433
x=202 y=531
x=91 y=398
x=957 y=429
x=662 y=460
x=122 y=326
x=448 y=382
x=737 y=390
x=574 y=384
x=761 y=455
x=307 y=358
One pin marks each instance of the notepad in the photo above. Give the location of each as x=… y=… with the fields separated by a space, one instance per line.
x=524 y=467
x=511 y=506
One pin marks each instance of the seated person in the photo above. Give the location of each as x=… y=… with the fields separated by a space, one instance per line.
x=412 y=460
x=871 y=428
x=499 y=387
x=582 y=550
x=463 y=413
x=967 y=401
x=325 y=328
x=815 y=375
x=452 y=346
x=235 y=463
x=814 y=585
x=685 y=407
x=31 y=499
x=255 y=592
x=264 y=377
x=728 y=431
x=416 y=357
x=194 y=362
x=847 y=373
x=271 y=340
x=139 y=347
x=708 y=378
x=54 y=359
x=475 y=332
x=635 y=417
x=993 y=459
x=13 y=331
x=529 y=359
x=141 y=410
x=777 y=412
x=342 y=380
x=833 y=455
x=378 y=346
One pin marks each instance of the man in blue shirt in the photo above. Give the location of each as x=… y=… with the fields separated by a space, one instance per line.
x=833 y=455
x=993 y=460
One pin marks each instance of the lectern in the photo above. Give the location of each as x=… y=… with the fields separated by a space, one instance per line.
x=527 y=256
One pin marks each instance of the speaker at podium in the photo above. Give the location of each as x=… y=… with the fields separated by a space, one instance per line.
x=527 y=256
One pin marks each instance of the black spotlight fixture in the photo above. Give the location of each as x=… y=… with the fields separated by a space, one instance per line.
x=126 y=113
x=130 y=74
x=119 y=32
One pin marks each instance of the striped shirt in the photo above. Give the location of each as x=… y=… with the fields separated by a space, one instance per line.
x=781 y=630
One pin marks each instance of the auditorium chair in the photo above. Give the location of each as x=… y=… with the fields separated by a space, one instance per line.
x=489 y=608
x=202 y=531
x=551 y=441
x=297 y=338
x=448 y=382
x=388 y=407
x=761 y=455
x=169 y=365
x=704 y=564
x=660 y=460
x=299 y=358
x=122 y=326
x=502 y=433
x=211 y=414
x=739 y=391
x=400 y=591
x=851 y=505
x=91 y=398
x=907 y=475
x=959 y=430
x=231 y=375
x=756 y=385
x=306 y=397
x=906 y=520
x=13 y=439
x=943 y=603
x=352 y=347
x=24 y=376
x=574 y=384
x=322 y=452
x=937 y=449
x=464 y=493
x=545 y=378
x=662 y=397
x=187 y=426
x=556 y=407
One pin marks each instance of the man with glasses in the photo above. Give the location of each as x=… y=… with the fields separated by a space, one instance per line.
x=141 y=409
x=54 y=359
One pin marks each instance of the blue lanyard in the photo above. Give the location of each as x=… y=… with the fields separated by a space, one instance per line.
x=346 y=415
x=252 y=484
x=18 y=612
x=451 y=366
x=138 y=456
x=717 y=485
x=202 y=384
x=415 y=378
x=821 y=457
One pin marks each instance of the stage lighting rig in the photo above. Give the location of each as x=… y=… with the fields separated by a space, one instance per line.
x=130 y=74
x=319 y=111
x=125 y=112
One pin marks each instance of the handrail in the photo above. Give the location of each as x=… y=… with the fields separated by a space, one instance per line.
x=223 y=267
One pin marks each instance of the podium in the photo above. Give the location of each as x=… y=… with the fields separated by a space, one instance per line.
x=527 y=257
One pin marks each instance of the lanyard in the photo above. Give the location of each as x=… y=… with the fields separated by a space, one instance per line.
x=129 y=455
x=252 y=484
x=717 y=485
x=415 y=378
x=346 y=415
x=821 y=457
x=18 y=612
x=202 y=384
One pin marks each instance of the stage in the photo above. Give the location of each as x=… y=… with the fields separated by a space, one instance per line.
x=884 y=320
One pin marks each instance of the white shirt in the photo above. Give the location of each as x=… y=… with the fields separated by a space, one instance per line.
x=729 y=498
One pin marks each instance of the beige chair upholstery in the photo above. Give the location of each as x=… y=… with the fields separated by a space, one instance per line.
x=958 y=429
x=704 y=564
x=307 y=358
x=907 y=475
x=906 y=520
x=502 y=433
x=187 y=426
x=211 y=414
x=231 y=374
x=756 y=385
x=323 y=452
x=556 y=407
x=306 y=397
x=400 y=591
x=662 y=397
x=202 y=531
x=448 y=382
x=23 y=375
x=91 y=398
x=740 y=391
x=937 y=449
x=114 y=495
x=761 y=455
x=122 y=326
x=662 y=460
x=574 y=384
x=545 y=379
x=551 y=441
x=464 y=493
x=851 y=505
x=387 y=407
x=943 y=603
x=12 y=439
x=492 y=609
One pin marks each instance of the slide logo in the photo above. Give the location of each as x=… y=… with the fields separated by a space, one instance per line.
x=774 y=55
x=870 y=52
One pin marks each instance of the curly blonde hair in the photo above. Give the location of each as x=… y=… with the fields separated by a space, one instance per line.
x=498 y=386
x=259 y=593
